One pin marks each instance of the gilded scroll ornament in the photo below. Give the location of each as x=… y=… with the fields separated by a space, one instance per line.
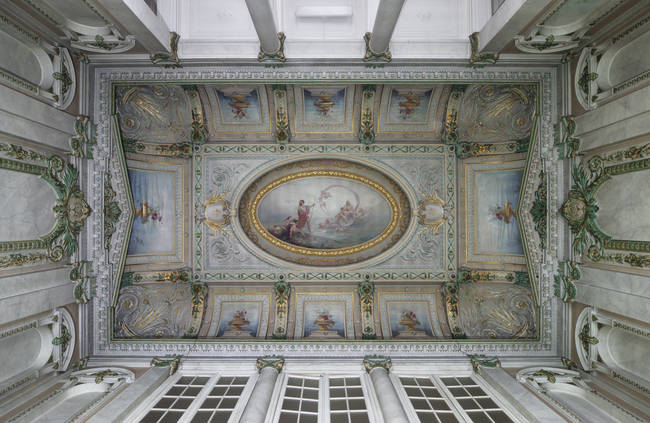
x=172 y=361
x=375 y=56
x=215 y=213
x=282 y=292
x=450 y=292
x=367 y=299
x=367 y=126
x=85 y=138
x=282 y=133
x=569 y=145
x=168 y=60
x=82 y=276
x=274 y=57
x=564 y=286
x=432 y=212
x=476 y=59
x=112 y=211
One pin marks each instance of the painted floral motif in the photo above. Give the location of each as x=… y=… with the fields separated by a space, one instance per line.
x=146 y=211
x=410 y=320
x=239 y=320
x=505 y=214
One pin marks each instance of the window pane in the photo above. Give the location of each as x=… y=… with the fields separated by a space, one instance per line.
x=175 y=390
x=235 y=391
x=224 y=380
x=221 y=417
x=310 y=406
x=293 y=393
x=499 y=416
x=476 y=391
x=218 y=391
x=357 y=404
x=449 y=418
x=413 y=392
x=420 y=404
x=425 y=382
x=152 y=417
x=185 y=380
x=336 y=381
x=291 y=404
x=306 y=418
x=466 y=381
x=183 y=403
x=294 y=381
x=337 y=393
x=408 y=381
x=288 y=418
x=311 y=383
x=450 y=381
x=310 y=393
x=431 y=393
x=240 y=381
x=479 y=417
x=171 y=417
x=353 y=381
x=458 y=392
x=192 y=391
x=228 y=403
x=355 y=392
x=338 y=405
x=468 y=404
x=211 y=403
x=359 y=418
x=427 y=418
x=439 y=404
x=486 y=403
x=338 y=418
x=165 y=403
x=202 y=417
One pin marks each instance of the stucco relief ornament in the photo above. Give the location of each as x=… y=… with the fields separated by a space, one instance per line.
x=215 y=213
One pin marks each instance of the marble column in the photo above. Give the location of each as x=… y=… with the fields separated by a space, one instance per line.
x=262 y=16
x=378 y=41
x=391 y=406
x=258 y=403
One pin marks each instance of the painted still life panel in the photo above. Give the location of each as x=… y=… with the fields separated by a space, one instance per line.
x=324 y=319
x=239 y=104
x=324 y=212
x=409 y=319
x=239 y=319
x=154 y=198
x=324 y=105
x=497 y=194
x=409 y=105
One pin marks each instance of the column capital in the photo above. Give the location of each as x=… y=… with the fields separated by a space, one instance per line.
x=371 y=362
x=172 y=361
x=274 y=361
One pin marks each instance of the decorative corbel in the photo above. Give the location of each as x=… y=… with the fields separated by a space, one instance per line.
x=450 y=291
x=372 y=362
x=85 y=138
x=274 y=57
x=477 y=59
x=282 y=292
x=480 y=360
x=273 y=361
x=168 y=60
x=367 y=124
x=282 y=132
x=367 y=299
x=82 y=276
x=172 y=361
x=371 y=56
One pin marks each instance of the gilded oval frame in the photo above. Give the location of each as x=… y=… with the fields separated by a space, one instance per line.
x=390 y=190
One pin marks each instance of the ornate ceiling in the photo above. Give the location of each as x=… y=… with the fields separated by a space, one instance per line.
x=409 y=216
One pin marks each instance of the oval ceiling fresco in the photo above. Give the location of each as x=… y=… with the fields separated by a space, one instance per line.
x=324 y=212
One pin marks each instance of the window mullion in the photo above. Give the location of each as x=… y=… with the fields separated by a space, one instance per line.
x=198 y=400
x=324 y=400
x=458 y=410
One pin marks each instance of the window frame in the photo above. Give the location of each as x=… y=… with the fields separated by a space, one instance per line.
x=213 y=376
x=454 y=405
x=324 y=394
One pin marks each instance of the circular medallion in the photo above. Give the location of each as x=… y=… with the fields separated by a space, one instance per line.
x=324 y=212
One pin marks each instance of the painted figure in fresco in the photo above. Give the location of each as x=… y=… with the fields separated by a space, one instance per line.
x=303 y=215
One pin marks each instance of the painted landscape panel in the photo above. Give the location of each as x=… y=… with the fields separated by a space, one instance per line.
x=496 y=195
x=154 y=227
x=324 y=212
